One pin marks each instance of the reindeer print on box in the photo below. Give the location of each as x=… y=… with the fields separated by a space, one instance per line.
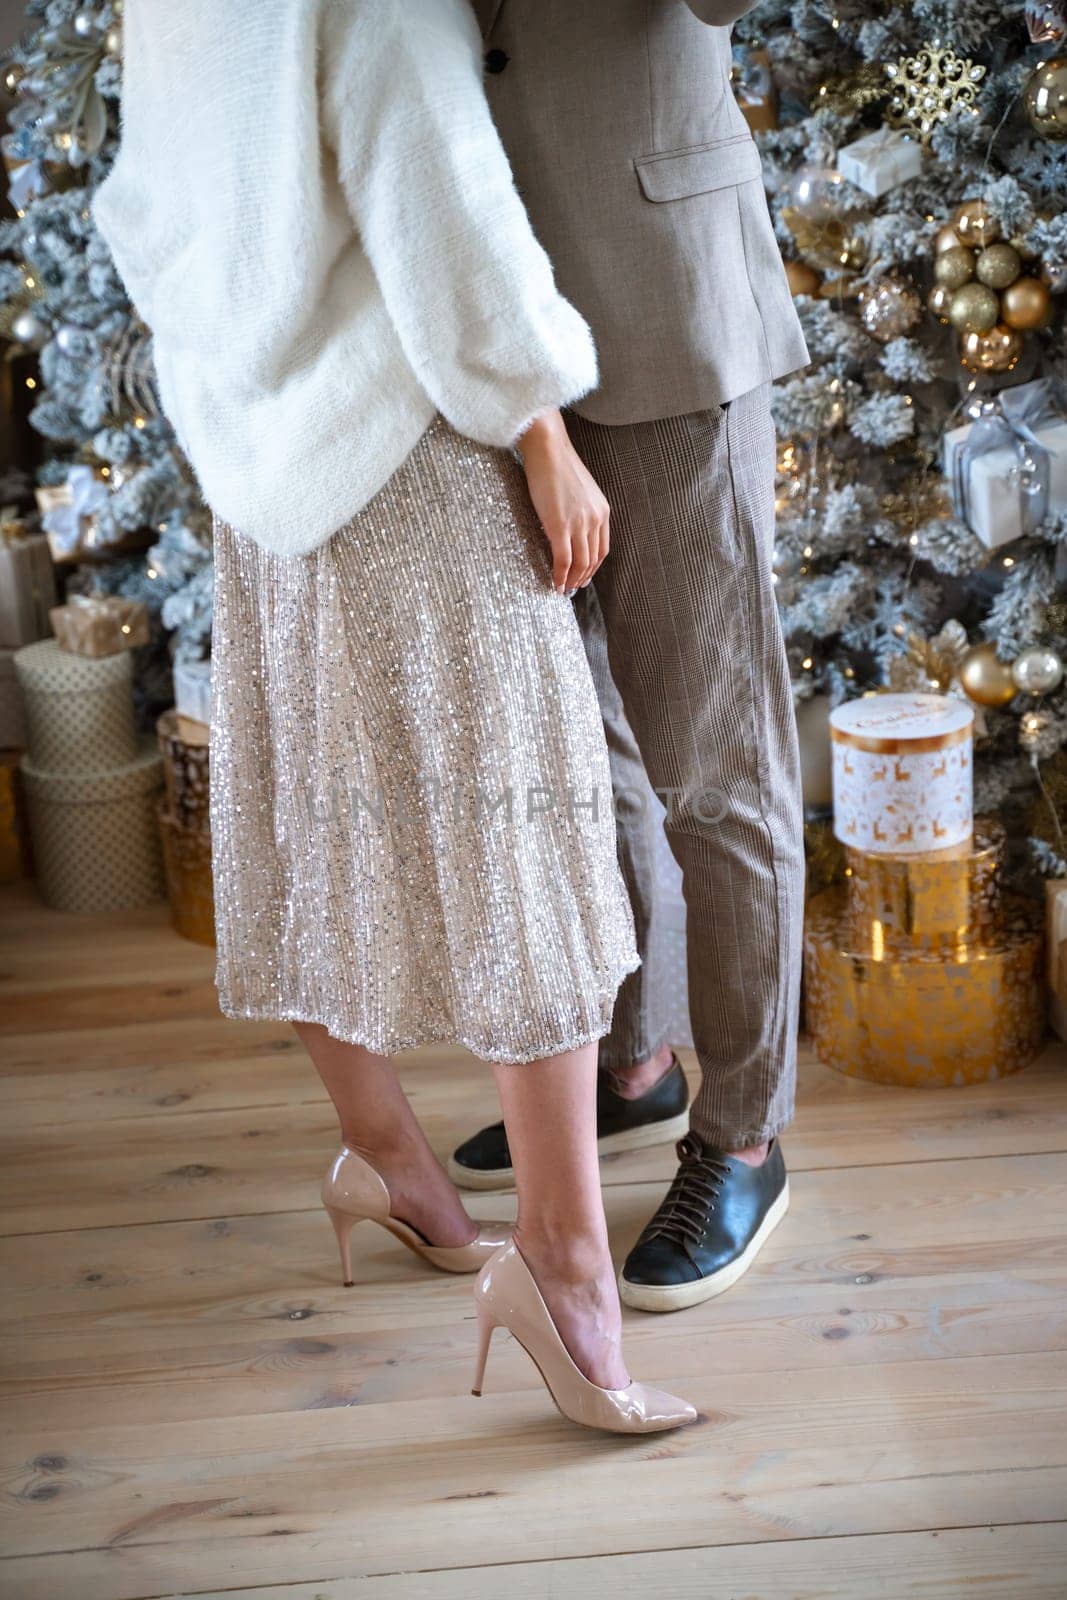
x=902 y=772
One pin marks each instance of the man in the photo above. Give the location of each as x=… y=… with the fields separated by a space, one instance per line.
x=643 y=184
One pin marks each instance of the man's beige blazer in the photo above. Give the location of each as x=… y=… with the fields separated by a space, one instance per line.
x=643 y=184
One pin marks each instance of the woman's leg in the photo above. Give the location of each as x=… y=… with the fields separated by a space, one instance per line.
x=377 y=1121
x=550 y=1115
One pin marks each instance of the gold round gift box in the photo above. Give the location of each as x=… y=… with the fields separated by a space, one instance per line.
x=925 y=1019
x=190 y=889
x=931 y=900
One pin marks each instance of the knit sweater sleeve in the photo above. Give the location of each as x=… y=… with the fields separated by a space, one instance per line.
x=469 y=289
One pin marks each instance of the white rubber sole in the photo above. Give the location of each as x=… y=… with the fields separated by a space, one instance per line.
x=678 y=1296
x=613 y=1144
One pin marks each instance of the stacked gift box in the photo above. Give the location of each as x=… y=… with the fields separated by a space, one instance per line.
x=919 y=969
x=90 y=782
x=27 y=593
x=184 y=819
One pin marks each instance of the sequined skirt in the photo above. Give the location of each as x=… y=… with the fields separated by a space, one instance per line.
x=413 y=834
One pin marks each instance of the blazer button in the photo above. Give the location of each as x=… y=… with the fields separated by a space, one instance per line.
x=496 y=60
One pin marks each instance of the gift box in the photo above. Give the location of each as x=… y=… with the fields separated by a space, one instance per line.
x=937 y=900
x=79 y=709
x=100 y=625
x=27 y=586
x=69 y=512
x=186 y=769
x=192 y=690
x=190 y=891
x=95 y=839
x=1007 y=467
x=12 y=712
x=1056 y=953
x=902 y=773
x=754 y=88
x=880 y=161
x=14 y=830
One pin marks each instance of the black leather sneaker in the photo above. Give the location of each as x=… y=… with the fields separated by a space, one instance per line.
x=656 y=1117
x=714 y=1219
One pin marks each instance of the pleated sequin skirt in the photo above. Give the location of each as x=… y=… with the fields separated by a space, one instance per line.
x=412 y=830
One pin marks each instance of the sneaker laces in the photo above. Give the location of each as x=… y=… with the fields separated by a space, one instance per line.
x=692 y=1196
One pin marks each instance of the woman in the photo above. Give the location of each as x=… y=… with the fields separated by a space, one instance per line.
x=411 y=815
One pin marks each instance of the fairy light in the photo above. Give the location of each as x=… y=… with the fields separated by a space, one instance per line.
x=31 y=383
x=1009 y=561
x=152 y=572
x=31 y=283
x=807 y=663
x=105 y=472
x=139 y=422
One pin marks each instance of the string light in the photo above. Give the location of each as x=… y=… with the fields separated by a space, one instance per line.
x=807 y=663
x=138 y=422
x=31 y=383
x=31 y=283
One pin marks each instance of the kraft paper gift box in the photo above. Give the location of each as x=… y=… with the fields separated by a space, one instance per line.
x=100 y=625
x=27 y=588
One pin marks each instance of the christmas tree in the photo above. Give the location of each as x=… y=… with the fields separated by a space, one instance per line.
x=123 y=513
x=929 y=269
x=916 y=159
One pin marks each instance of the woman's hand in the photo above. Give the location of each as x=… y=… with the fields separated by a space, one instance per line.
x=573 y=512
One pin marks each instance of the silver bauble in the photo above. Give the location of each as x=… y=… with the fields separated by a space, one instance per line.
x=1037 y=671
x=30 y=331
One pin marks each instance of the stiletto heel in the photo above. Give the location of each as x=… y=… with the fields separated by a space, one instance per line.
x=506 y=1296
x=353 y=1192
x=485 y=1334
x=343 y=1223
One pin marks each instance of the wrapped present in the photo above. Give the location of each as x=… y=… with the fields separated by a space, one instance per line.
x=69 y=512
x=937 y=900
x=95 y=840
x=100 y=625
x=1008 y=466
x=79 y=709
x=880 y=161
x=14 y=830
x=754 y=88
x=27 y=584
x=192 y=690
x=925 y=1018
x=187 y=859
x=1056 y=950
x=186 y=769
x=12 y=712
x=902 y=773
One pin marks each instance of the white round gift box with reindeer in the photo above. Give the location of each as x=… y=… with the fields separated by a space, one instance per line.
x=903 y=772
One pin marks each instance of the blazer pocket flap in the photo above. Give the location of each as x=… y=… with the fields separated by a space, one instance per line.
x=679 y=173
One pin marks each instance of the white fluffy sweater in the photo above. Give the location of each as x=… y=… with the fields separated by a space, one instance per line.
x=313 y=213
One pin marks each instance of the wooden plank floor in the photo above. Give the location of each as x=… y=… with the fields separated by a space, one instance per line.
x=195 y=1406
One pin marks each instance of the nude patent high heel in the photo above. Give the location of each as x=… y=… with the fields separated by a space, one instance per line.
x=353 y=1192
x=506 y=1296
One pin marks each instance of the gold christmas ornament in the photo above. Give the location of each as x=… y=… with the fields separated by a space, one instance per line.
x=995 y=351
x=938 y=301
x=889 y=308
x=954 y=268
x=946 y=238
x=801 y=278
x=1026 y=304
x=975 y=224
x=985 y=678
x=973 y=309
x=998 y=265
x=1045 y=98
x=928 y=85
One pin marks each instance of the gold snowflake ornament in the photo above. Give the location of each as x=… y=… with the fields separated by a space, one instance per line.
x=927 y=86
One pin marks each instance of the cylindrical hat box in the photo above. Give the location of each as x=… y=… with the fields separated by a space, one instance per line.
x=903 y=778
x=95 y=840
x=186 y=771
x=936 y=900
x=79 y=709
x=190 y=891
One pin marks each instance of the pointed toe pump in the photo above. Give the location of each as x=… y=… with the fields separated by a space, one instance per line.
x=353 y=1192
x=506 y=1296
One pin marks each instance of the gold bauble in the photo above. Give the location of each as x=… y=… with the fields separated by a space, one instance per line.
x=1026 y=304
x=975 y=224
x=973 y=309
x=998 y=265
x=954 y=268
x=985 y=678
x=801 y=278
x=946 y=238
x=1045 y=98
x=995 y=351
x=938 y=301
